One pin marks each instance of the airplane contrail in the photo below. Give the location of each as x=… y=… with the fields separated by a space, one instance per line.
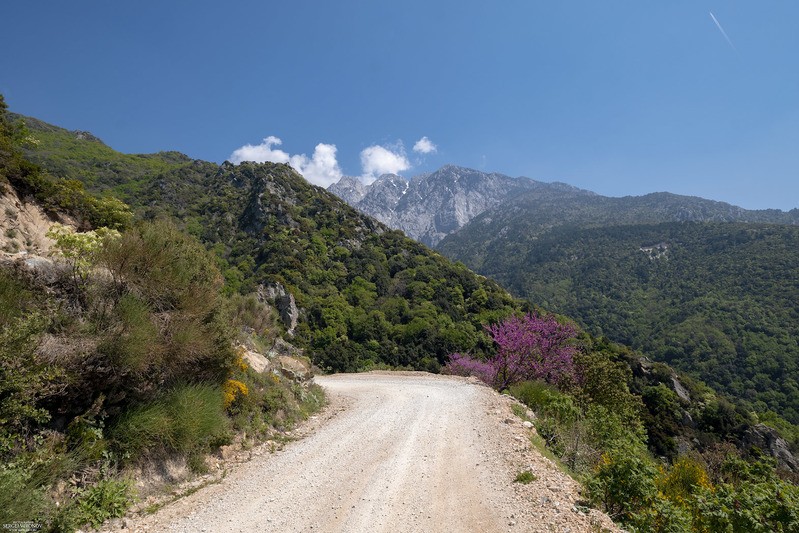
x=724 y=33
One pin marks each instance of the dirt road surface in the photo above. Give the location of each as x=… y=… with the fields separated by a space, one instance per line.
x=393 y=452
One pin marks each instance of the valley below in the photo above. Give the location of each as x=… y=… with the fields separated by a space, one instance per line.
x=393 y=451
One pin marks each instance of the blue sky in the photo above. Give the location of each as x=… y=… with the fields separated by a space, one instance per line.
x=618 y=96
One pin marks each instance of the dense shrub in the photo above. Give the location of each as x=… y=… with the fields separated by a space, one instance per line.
x=623 y=483
x=161 y=321
x=186 y=419
x=24 y=381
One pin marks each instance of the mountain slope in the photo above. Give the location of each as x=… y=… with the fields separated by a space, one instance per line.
x=528 y=215
x=431 y=206
x=718 y=300
x=79 y=155
x=369 y=295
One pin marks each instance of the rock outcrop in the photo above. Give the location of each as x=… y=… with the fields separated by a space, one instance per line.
x=277 y=295
x=349 y=189
x=24 y=224
x=768 y=440
x=282 y=359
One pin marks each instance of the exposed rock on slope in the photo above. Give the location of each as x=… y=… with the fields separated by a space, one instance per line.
x=431 y=206
x=349 y=189
x=283 y=301
x=24 y=225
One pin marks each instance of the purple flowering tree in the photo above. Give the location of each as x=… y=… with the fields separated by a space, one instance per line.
x=463 y=365
x=528 y=347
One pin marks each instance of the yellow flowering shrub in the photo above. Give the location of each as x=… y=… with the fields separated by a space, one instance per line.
x=233 y=390
x=679 y=482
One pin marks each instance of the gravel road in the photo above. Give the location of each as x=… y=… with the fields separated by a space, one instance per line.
x=393 y=452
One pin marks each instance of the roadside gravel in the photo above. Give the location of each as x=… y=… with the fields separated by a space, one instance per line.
x=393 y=452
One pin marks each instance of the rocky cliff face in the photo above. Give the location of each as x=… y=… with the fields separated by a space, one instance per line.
x=349 y=189
x=431 y=206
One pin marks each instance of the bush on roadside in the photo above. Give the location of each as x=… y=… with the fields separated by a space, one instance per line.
x=188 y=420
x=108 y=498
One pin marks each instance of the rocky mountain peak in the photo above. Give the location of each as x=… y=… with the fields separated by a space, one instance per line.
x=430 y=206
x=349 y=189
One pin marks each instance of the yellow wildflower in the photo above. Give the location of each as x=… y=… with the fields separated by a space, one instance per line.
x=233 y=390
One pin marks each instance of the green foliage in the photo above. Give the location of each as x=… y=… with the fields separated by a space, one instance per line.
x=15 y=297
x=24 y=381
x=272 y=402
x=169 y=269
x=25 y=480
x=369 y=295
x=248 y=313
x=80 y=156
x=80 y=249
x=157 y=321
x=662 y=516
x=595 y=428
x=579 y=432
x=546 y=400
x=710 y=298
x=717 y=300
x=761 y=507
x=108 y=498
x=139 y=341
x=187 y=419
x=623 y=484
x=683 y=480
x=22 y=495
x=524 y=477
x=135 y=346
x=748 y=497
x=66 y=195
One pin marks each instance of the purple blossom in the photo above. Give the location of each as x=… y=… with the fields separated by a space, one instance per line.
x=530 y=347
x=463 y=365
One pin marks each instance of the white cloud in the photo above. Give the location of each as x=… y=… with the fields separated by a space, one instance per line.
x=320 y=169
x=424 y=146
x=260 y=152
x=377 y=160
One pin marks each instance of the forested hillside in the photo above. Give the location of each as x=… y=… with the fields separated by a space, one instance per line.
x=718 y=300
x=369 y=295
x=516 y=225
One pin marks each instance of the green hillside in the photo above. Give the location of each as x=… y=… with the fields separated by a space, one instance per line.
x=118 y=351
x=79 y=155
x=513 y=228
x=369 y=295
x=718 y=300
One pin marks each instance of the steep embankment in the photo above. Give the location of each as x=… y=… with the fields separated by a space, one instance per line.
x=24 y=225
x=411 y=452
